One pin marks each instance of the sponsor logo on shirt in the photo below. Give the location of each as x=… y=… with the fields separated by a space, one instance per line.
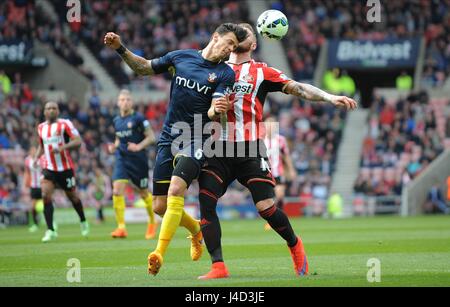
x=193 y=85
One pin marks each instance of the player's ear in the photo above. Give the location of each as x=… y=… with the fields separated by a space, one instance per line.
x=215 y=37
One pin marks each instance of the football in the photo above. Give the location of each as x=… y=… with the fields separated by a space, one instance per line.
x=272 y=24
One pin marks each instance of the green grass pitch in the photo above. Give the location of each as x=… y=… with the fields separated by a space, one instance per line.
x=412 y=251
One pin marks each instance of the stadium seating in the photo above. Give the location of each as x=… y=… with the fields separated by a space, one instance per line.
x=399 y=147
x=311 y=22
x=152 y=29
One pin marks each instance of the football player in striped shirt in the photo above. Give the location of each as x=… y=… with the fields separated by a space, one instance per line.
x=245 y=129
x=32 y=179
x=58 y=136
x=280 y=161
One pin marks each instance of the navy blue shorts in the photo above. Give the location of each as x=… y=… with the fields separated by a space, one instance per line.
x=135 y=170
x=164 y=166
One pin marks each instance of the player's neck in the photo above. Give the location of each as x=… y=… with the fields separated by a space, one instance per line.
x=125 y=113
x=52 y=121
x=239 y=58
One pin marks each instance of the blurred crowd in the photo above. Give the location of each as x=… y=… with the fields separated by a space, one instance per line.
x=403 y=138
x=149 y=29
x=311 y=22
x=27 y=21
x=152 y=28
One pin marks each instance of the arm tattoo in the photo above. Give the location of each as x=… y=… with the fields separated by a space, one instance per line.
x=307 y=92
x=138 y=64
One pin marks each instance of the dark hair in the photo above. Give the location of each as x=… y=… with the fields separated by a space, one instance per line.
x=240 y=32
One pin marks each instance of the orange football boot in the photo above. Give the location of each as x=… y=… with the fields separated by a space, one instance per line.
x=218 y=270
x=119 y=233
x=151 y=231
x=299 y=258
x=155 y=261
x=196 y=245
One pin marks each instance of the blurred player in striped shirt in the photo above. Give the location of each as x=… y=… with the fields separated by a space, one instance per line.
x=280 y=160
x=32 y=179
x=56 y=137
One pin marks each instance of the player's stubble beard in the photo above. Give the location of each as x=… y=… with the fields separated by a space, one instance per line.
x=243 y=48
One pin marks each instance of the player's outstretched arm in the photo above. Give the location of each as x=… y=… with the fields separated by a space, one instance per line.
x=312 y=93
x=138 y=64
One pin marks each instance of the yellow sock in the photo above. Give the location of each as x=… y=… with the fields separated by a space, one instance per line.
x=149 y=206
x=170 y=222
x=189 y=223
x=119 y=209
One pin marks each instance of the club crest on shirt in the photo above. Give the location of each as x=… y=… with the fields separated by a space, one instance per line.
x=212 y=77
x=248 y=78
x=129 y=124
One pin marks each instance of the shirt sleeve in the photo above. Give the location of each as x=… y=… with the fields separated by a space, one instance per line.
x=274 y=79
x=162 y=64
x=144 y=124
x=70 y=129
x=226 y=84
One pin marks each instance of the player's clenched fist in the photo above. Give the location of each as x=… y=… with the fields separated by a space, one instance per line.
x=112 y=40
x=222 y=105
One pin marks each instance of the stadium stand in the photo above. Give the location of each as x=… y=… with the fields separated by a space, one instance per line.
x=164 y=26
x=312 y=22
x=403 y=138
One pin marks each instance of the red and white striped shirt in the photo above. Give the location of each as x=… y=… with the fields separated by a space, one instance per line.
x=35 y=172
x=253 y=81
x=277 y=148
x=53 y=136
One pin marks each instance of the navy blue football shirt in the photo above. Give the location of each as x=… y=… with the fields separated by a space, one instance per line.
x=130 y=128
x=195 y=82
